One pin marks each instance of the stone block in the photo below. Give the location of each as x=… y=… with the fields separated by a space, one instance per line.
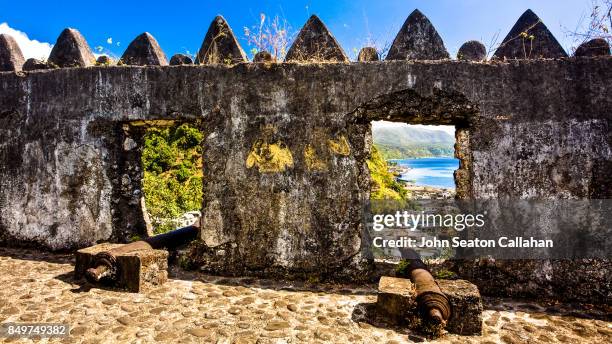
x=466 y=307
x=138 y=271
x=397 y=301
x=396 y=298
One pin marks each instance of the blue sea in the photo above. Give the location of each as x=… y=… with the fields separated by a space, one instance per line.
x=437 y=172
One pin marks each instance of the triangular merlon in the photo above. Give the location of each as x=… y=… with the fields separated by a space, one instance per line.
x=529 y=38
x=315 y=43
x=144 y=50
x=71 y=50
x=418 y=39
x=11 y=58
x=220 y=46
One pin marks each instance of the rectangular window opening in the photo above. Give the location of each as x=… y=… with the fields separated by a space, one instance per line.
x=172 y=174
x=412 y=161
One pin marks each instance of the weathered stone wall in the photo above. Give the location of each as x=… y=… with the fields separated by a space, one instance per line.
x=285 y=150
x=536 y=129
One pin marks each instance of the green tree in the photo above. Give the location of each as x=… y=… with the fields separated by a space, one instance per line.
x=172 y=184
x=384 y=184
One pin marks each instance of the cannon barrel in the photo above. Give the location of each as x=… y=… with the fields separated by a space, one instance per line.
x=172 y=239
x=432 y=303
x=105 y=265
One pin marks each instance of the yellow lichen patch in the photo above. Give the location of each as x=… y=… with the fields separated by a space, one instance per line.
x=339 y=146
x=153 y=123
x=270 y=157
x=313 y=162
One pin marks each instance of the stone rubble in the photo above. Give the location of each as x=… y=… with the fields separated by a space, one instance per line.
x=34 y=64
x=263 y=56
x=180 y=59
x=472 y=51
x=368 y=54
x=103 y=60
x=592 y=48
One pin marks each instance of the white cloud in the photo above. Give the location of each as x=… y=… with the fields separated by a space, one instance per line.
x=29 y=47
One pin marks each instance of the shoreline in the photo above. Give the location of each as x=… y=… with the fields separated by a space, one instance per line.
x=420 y=190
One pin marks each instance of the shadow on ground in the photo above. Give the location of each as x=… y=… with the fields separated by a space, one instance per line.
x=36 y=255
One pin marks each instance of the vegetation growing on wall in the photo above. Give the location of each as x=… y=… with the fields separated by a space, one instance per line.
x=172 y=184
x=271 y=34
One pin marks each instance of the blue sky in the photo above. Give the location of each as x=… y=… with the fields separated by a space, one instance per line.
x=181 y=26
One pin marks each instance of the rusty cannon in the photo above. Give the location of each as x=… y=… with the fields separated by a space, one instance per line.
x=433 y=305
x=417 y=300
x=132 y=266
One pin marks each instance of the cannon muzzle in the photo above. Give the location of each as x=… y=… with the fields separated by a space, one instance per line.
x=433 y=305
x=105 y=267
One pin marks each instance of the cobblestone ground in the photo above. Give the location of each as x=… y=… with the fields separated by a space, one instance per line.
x=196 y=308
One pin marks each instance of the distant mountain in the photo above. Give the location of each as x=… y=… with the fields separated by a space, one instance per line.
x=400 y=141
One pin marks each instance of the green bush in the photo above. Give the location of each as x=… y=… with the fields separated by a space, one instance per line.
x=385 y=186
x=172 y=184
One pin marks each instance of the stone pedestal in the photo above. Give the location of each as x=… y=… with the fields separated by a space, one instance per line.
x=137 y=271
x=397 y=301
x=466 y=307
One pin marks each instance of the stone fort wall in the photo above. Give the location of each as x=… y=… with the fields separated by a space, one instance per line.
x=528 y=126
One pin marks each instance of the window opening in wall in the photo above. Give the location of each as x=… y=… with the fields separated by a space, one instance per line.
x=172 y=181
x=412 y=161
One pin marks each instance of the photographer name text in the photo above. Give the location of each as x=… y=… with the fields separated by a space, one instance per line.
x=455 y=242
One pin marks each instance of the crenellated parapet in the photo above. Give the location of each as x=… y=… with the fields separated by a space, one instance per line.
x=417 y=40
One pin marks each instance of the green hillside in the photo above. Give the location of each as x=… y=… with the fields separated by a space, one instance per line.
x=400 y=141
x=384 y=185
x=415 y=151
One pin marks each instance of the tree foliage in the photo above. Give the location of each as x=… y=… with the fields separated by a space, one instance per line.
x=384 y=184
x=416 y=150
x=172 y=184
